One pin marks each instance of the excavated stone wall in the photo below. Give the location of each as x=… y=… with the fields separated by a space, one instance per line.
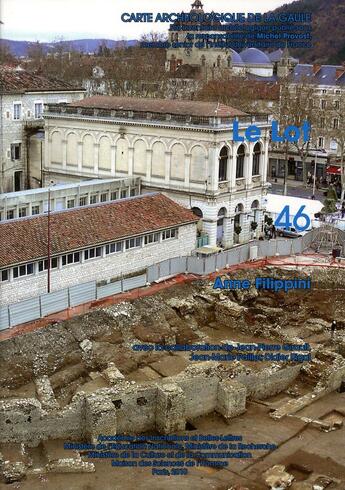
x=132 y=408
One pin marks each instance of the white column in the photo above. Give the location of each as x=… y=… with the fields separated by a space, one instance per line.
x=64 y=153
x=213 y=167
x=210 y=227
x=188 y=159
x=264 y=161
x=232 y=171
x=95 y=158
x=167 y=166
x=210 y=222
x=80 y=156
x=148 y=164
x=130 y=160
x=112 y=159
x=228 y=236
x=247 y=168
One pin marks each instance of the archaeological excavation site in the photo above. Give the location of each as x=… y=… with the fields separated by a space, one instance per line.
x=190 y=388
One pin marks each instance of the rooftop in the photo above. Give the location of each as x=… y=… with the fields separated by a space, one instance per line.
x=58 y=187
x=17 y=81
x=319 y=74
x=255 y=56
x=160 y=106
x=26 y=239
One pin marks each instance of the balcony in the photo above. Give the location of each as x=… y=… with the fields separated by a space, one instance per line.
x=151 y=117
x=256 y=180
x=240 y=184
x=224 y=185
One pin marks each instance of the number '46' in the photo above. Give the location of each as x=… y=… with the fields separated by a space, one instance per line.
x=283 y=219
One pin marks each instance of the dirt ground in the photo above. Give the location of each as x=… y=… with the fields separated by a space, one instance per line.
x=74 y=355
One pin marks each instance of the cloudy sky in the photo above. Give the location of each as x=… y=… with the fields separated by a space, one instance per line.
x=46 y=20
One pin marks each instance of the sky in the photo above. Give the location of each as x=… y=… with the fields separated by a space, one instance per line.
x=47 y=20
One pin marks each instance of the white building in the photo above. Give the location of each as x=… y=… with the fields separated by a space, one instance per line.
x=65 y=196
x=182 y=148
x=22 y=99
x=99 y=242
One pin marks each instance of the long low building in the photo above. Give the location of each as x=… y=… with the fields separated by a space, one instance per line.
x=98 y=242
x=65 y=196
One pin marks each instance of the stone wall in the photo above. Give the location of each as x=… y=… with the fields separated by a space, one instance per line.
x=269 y=382
x=130 y=408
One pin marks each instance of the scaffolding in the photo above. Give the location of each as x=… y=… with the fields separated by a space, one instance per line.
x=328 y=238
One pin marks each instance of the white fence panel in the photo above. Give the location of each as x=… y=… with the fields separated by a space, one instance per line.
x=54 y=302
x=153 y=273
x=4 y=318
x=109 y=289
x=178 y=265
x=195 y=265
x=134 y=282
x=164 y=268
x=82 y=293
x=25 y=311
x=210 y=264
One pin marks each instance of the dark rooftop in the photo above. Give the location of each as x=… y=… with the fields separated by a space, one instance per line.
x=319 y=74
x=162 y=106
x=17 y=81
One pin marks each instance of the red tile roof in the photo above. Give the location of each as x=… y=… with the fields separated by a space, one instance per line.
x=13 y=81
x=24 y=240
x=162 y=106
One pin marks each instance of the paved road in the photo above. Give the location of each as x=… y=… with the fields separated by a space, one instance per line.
x=296 y=191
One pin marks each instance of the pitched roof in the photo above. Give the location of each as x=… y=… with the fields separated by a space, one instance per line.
x=24 y=240
x=14 y=81
x=162 y=106
x=319 y=74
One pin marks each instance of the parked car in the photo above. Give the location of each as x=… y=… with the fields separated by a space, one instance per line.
x=288 y=233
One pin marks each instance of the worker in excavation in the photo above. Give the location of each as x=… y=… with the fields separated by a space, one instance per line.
x=333 y=329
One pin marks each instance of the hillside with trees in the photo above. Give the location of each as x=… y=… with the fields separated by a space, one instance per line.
x=328 y=30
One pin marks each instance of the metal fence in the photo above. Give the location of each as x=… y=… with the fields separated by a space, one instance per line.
x=46 y=304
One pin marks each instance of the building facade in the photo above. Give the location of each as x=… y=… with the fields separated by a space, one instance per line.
x=32 y=202
x=213 y=61
x=22 y=99
x=182 y=148
x=100 y=242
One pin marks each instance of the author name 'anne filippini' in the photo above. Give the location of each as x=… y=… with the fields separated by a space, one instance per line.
x=263 y=283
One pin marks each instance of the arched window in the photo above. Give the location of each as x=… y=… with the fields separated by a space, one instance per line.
x=240 y=162
x=218 y=61
x=239 y=209
x=256 y=159
x=203 y=60
x=223 y=164
x=220 y=225
x=229 y=61
x=197 y=212
x=222 y=213
x=255 y=208
x=238 y=212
